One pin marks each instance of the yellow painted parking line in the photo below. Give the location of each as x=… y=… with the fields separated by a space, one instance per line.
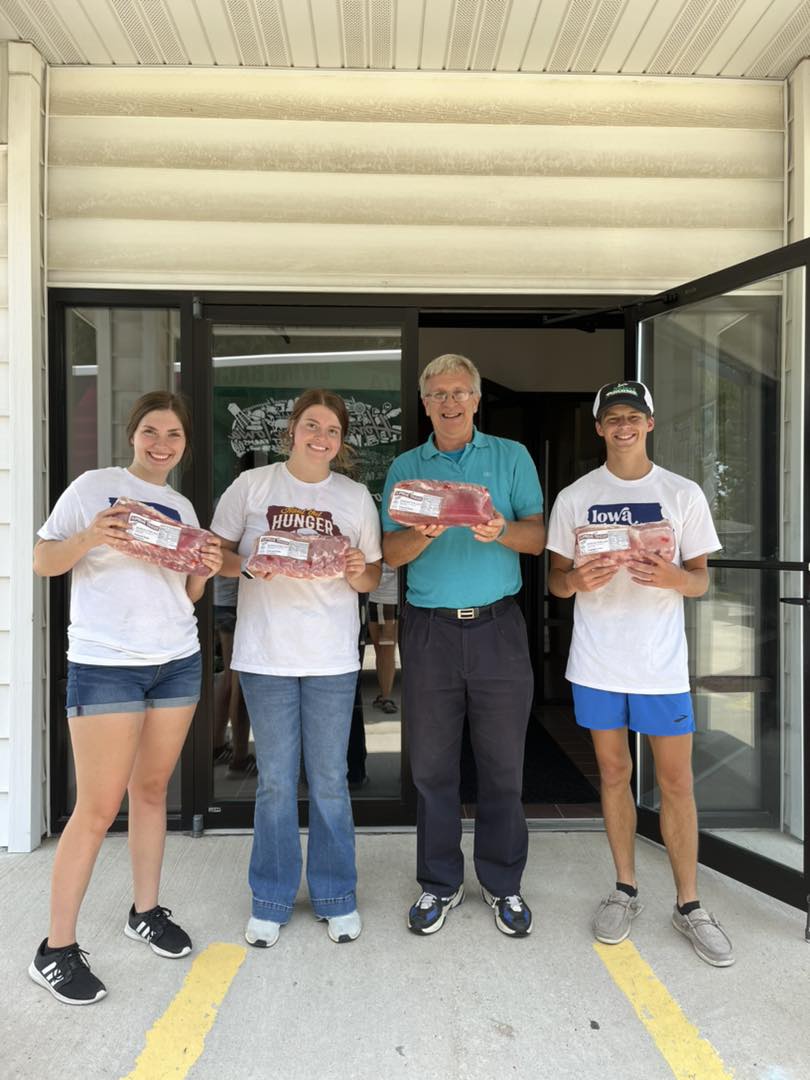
x=688 y=1054
x=176 y=1040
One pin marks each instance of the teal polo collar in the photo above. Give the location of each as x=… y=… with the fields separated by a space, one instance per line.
x=430 y=450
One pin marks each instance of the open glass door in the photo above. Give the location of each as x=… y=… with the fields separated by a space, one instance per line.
x=725 y=359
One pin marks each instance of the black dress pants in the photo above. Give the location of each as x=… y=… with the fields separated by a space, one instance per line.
x=478 y=668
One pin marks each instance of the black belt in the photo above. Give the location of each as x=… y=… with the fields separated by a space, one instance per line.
x=464 y=614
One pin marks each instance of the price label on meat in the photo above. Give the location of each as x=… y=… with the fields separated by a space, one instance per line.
x=153 y=532
x=277 y=545
x=415 y=502
x=598 y=543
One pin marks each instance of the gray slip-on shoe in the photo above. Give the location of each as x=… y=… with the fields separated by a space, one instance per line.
x=343 y=928
x=262 y=933
x=709 y=939
x=614 y=917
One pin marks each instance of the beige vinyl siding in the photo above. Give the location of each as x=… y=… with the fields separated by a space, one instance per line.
x=423 y=181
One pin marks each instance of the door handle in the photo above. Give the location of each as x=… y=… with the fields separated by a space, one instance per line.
x=802 y=601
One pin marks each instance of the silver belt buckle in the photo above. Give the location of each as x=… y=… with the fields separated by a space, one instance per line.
x=466 y=612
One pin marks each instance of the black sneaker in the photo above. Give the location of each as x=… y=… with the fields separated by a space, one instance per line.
x=512 y=914
x=429 y=912
x=67 y=975
x=155 y=927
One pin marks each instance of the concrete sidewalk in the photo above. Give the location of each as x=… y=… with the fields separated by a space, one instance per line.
x=466 y=1004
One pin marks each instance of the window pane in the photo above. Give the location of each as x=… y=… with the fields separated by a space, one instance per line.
x=114 y=355
x=727 y=379
x=259 y=371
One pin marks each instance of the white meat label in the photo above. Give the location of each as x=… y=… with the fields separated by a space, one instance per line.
x=416 y=502
x=290 y=549
x=154 y=532
x=598 y=543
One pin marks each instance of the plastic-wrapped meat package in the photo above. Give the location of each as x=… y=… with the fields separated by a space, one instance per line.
x=657 y=537
x=620 y=543
x=439 y=502
x=298 y=555
x=609 y=541
x=159 y=539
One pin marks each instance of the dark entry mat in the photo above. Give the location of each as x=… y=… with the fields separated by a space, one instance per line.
x=549 y=775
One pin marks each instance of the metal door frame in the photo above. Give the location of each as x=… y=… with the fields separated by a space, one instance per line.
x=746 y=866
x=234 y=813
x=196 y=307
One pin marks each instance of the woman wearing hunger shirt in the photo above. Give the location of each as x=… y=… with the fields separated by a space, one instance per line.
x=297 y=654
x=133 y=683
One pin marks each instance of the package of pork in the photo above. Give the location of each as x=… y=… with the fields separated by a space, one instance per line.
x=159 y=539
x=299 y=555
x=620 y=543
x=439 y=502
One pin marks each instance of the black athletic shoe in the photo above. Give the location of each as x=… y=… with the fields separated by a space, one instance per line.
x=155 y=927
x=429 y=912
x=512 y=914
x=67 y=975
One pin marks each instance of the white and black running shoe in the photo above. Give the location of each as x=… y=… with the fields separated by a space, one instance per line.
x=157 y=930
x=513 y=915
x=427 y=915
x=67 y=975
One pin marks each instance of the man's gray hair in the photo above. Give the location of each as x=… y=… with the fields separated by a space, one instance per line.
x=446 y=363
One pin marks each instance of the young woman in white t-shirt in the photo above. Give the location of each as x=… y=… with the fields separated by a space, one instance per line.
x=296 y=649
x=133 y=684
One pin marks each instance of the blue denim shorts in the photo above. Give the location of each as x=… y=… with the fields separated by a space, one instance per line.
x=93 y=689
x=649 y=714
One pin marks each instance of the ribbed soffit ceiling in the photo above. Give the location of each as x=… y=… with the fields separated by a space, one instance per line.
x=755 y=39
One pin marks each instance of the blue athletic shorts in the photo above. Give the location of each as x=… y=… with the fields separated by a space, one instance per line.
x=649 y=714
x=95 y=689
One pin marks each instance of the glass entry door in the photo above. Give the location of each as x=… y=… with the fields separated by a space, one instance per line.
x=727 y=374
x=256 y=365
x=102 y=359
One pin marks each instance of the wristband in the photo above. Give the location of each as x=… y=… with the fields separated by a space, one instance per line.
x=503 y=531
x=246 y=573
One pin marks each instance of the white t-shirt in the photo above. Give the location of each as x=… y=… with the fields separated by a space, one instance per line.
x=290 y=626
x=123 y=610
x=630 y=638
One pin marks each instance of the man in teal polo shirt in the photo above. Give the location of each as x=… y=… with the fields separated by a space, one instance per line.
x=465 y=652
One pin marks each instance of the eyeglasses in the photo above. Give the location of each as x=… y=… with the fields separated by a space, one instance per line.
x=459 y=396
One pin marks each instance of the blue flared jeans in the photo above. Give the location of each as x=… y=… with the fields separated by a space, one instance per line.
x=288 y=713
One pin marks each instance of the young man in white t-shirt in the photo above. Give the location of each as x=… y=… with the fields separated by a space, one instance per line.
x=628 y=659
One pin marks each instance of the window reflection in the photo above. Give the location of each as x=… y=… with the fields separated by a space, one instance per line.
x=726 y=377
x=114 y=355
x=258 y=372
x=716 y=371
